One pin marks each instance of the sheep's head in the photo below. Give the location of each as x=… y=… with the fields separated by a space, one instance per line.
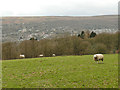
x=95 y=57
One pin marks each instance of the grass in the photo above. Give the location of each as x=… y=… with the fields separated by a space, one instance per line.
x=61 y=72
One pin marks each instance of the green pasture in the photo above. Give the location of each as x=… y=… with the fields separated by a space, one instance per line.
x=61 y=72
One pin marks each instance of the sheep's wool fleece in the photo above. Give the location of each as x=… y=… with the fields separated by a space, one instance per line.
x=100 y=55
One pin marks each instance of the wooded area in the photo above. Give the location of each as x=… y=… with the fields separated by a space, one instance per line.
x=68 y=45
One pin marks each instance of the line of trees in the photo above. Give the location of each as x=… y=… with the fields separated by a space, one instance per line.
x=69 y=45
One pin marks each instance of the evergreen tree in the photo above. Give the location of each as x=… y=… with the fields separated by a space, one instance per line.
x=82 y=34
x=93 y=34
x=78 y=35
x=33 y=38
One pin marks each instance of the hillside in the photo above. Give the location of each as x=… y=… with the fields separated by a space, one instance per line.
x=23 y=28
x=61 y=72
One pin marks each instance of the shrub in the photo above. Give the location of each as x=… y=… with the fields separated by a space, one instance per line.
x=10 y=51
x=83 y=46
x=100 y=48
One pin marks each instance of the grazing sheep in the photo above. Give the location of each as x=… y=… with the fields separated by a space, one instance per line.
x=98 y=57
x=22 y=56
x=41 y=55
x=53 y=55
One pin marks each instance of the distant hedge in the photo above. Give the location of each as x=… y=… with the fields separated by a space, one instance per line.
x=69 y=45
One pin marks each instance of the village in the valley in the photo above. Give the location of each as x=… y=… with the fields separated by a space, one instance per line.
x=55 y=27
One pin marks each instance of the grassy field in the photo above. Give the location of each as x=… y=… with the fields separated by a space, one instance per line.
x=61 y=72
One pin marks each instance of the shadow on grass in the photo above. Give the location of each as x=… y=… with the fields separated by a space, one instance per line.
x=100 y=63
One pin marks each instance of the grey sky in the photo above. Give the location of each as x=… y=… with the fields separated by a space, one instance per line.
x=58 y=7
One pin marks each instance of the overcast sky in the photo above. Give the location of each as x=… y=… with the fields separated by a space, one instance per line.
x=58 y=7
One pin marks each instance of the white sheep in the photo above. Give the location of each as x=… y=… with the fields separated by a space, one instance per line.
x=22 y=56
x=53 y=55
x=41 y=55
x=98 y=57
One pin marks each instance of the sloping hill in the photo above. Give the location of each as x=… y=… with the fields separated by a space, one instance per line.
x=61 y=72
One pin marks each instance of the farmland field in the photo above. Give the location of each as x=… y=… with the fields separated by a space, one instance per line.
x=61 y=72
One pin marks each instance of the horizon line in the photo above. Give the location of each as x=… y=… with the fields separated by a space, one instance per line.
x=62 y=15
